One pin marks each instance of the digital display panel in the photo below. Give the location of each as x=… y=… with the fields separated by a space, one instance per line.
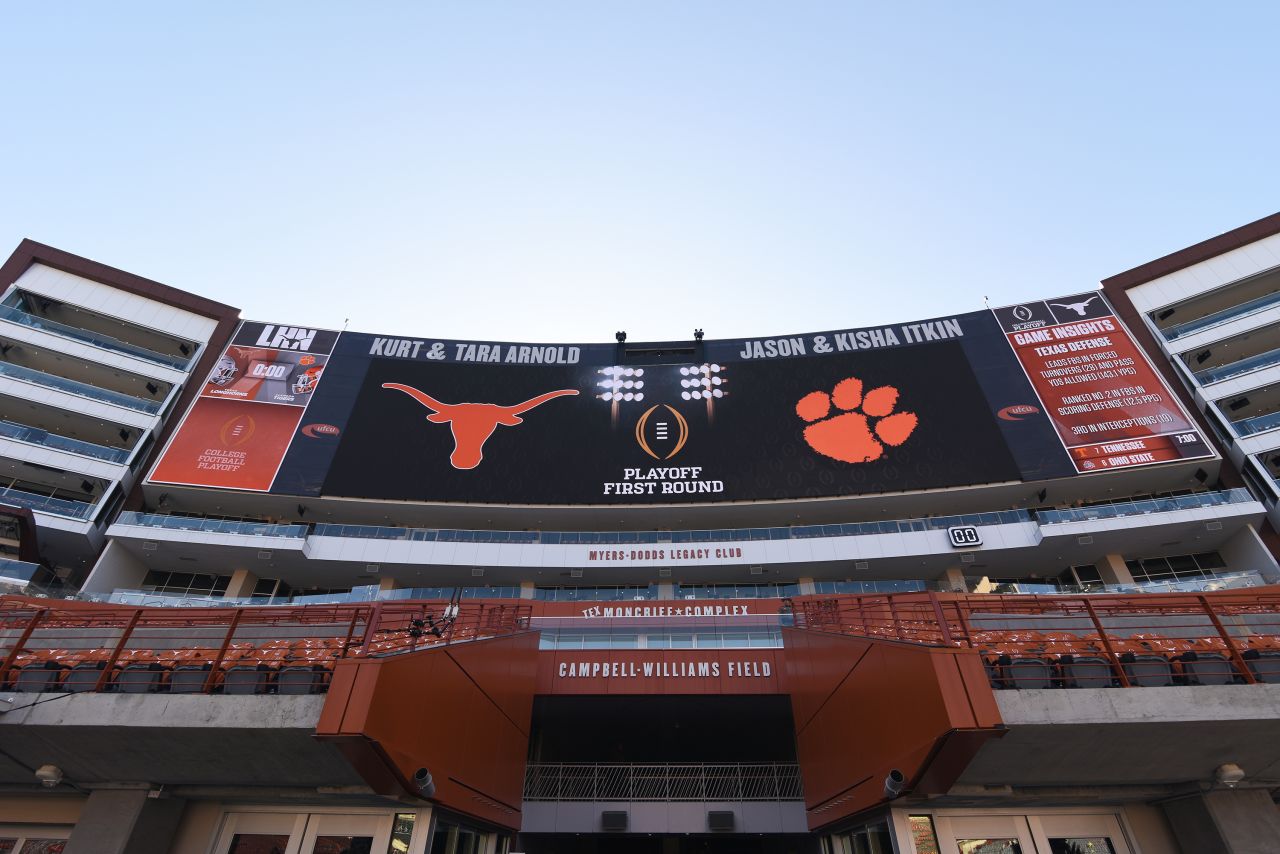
x=1041 y=390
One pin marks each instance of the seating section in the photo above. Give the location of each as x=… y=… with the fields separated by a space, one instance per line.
x=1151 y=640
x=1032 y=659
x=285 y=666
x=243 y=650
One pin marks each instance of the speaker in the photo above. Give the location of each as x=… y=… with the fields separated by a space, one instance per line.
x=614 y=821
x=720 y=821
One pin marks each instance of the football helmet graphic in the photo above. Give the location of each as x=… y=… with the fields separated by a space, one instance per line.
x=223 y=372
x=306 y=381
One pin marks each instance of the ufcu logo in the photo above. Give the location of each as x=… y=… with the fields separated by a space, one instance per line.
x=286 y=337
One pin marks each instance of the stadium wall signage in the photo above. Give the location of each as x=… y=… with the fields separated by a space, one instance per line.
x=1030 y=392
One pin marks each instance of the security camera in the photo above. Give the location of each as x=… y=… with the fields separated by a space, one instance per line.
x=49 y=775
x=893 y=784
x=1229 y=774
x=426 y=786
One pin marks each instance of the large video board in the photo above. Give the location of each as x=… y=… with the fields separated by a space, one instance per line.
x=1029 y=392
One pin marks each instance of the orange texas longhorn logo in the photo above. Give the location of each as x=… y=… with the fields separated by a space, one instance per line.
x=473 y=423
x=852 y=436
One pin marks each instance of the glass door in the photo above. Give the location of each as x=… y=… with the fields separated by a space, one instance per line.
x=260 y=833
x=1080 y=834
x=987 y=834
x=29 y=839
x=346 y=834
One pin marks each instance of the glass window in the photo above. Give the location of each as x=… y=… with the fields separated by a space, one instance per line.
x=1087 y=574
x=923 y=835
x=1210 y=560
x=873 y=839
x=1081 y=845
x=401 y=833
x=343 y=845
x=988 y=846
x=568 y=640
x=259 y=843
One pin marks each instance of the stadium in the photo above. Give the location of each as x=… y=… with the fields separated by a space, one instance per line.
x=999 y=582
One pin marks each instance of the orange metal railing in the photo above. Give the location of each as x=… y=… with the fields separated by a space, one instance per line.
x=1094 y=641
x=75 y=647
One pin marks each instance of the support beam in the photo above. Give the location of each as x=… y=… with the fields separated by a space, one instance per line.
x=1113 y=571
x=241 y=585
x=1241 y=821
x=125 y=821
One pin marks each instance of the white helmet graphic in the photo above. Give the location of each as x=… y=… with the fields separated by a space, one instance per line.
x=223 y=372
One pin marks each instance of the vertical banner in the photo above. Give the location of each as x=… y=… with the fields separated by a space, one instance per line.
x=237 y=432
x=1105 y=400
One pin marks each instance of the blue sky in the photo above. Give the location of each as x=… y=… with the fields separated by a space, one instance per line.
x=557 y=171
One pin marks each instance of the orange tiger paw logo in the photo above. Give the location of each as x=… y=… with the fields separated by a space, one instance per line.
x=852 y=436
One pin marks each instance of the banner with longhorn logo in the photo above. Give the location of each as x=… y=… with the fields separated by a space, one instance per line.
x=1024 y=393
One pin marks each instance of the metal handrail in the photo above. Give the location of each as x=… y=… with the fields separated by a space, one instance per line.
x=35 y=436
x=106 y=395
x=97 y=339
x=46 y=503
x=793 y=532
x=1040 y=641
x=211 y=526
x=663 y=781
x=108 y=640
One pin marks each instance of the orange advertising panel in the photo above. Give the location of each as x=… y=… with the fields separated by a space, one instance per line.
x=233 y=444
x=1105 y=400
x=236 y=434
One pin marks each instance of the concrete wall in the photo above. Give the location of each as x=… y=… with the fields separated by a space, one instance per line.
x=41 y=808
x=196 y=831
x=1246 y=550
x=115 y=569
x=1151 y=831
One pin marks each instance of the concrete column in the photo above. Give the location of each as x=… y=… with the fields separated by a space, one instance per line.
x=953 y=580
x=1245 y=550
x=241 y=584
x=116 y=569
x=806 y=587
x=125 y=821
x=1113 y=570
x=526 y=590
x=1240 y=821
x=666 y=590
x=386 y=585
x=984 y=585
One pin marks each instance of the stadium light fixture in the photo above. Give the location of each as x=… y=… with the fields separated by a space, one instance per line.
x=620 y=384
x=703 y=382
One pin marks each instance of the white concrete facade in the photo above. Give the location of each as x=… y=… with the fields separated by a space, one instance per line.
x=1209 y=276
